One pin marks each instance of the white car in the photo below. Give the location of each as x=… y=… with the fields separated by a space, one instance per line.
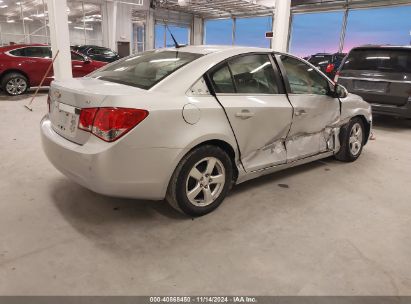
x=187 y=124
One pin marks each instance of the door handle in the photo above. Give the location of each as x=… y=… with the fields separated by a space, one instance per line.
x=300 y=112
x=244 y=114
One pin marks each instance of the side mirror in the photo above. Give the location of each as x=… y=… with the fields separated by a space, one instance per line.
x=87 y=61
x=340 y=91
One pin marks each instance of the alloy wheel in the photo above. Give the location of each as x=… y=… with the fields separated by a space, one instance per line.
x=205 y=181
x=16 y=86
x=355 y=140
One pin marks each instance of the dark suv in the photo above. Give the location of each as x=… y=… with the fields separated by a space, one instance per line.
x=327 y=63
x=381 y=75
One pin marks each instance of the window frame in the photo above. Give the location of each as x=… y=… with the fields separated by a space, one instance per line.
x=277 y=75
x=284 y=74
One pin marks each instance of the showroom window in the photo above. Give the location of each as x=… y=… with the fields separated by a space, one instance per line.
x=218 y=31
x=247 y=31
x=390 y=25
x=314 y=33
x=163 y=37
x=251 y=31
x=85 y=23
x=303 y=78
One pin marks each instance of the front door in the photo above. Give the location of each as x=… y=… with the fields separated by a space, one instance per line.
x=315 y=110
x=250 y=90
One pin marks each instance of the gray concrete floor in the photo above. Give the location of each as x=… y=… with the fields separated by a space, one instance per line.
x=337 y=229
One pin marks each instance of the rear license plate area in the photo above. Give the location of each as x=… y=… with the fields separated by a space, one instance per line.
x=64 y=119
x=370 y=86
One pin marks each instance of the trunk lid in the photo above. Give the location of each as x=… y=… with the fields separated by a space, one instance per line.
x=68 y=97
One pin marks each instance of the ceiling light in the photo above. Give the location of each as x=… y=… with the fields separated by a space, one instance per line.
x=11 y=21
x=3 y=6
x=27 y=19
x=83 y=28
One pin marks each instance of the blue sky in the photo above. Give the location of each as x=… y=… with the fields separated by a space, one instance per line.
x=319 y=32
x=311 y=33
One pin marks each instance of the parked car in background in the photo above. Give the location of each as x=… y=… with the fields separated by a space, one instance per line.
x=187 y=123
x=382 y=76
x=97 y=52
x=327 y=63
x=24 y=66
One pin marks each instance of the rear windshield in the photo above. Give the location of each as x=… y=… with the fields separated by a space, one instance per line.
x=144 y=71
x=320 y=59
x=383 y=60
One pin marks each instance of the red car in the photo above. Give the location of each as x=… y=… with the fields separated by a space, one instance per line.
x=23 y=66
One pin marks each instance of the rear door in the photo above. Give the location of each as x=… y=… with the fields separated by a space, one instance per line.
x=315 y=111
x=250 y=90
x=379 y=75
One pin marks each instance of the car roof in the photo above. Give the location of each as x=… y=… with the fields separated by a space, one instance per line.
x=209 y=49
x=383 y=46
x=18 y=46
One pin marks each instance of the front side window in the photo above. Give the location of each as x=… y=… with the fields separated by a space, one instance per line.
x=253 y=74
x=303 y=78
x=144 y=71
x=75 y=56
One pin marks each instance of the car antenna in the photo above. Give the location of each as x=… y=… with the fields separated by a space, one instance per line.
x=177 y=46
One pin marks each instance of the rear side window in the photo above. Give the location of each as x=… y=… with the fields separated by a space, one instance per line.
x=37 y=52
x=383 y=60
x=250 y=74
x=253 y=74
x=144 y=71
x=320 y=59
x=222 y=81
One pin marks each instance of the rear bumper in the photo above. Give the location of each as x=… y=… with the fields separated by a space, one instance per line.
x=115 y=169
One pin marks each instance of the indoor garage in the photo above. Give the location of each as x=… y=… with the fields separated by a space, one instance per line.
x=205 y=151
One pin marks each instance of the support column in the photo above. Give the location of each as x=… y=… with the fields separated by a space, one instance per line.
x=60 y=39
x=281 y=25
x=343 y=31
x=110 y=25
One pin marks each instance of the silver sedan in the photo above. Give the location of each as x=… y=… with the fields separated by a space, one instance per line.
x=187 y=124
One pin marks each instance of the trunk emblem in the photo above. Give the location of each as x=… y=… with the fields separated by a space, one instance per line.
x=88 y=101
x=57 y=94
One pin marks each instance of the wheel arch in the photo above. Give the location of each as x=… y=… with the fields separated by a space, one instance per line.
x=14 y=71
x=367 y=126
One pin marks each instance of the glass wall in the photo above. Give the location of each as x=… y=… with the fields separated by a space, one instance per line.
x=378 y=26
x=251 y=31
x=163 y=37
x=248 y=31
x=218 y=31
x=85 y=23
x=27 y=22
x=313 y=33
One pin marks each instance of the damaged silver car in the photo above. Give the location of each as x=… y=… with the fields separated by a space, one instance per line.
x=187 y=124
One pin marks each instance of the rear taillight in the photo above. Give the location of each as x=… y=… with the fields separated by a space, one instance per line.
x=329 y=68
x=86 y=119
x=337 y=75
x=109 y=124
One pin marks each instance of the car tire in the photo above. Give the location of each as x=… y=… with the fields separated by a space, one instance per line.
x=14 y=84
x=352 y=139
x=201 y=181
